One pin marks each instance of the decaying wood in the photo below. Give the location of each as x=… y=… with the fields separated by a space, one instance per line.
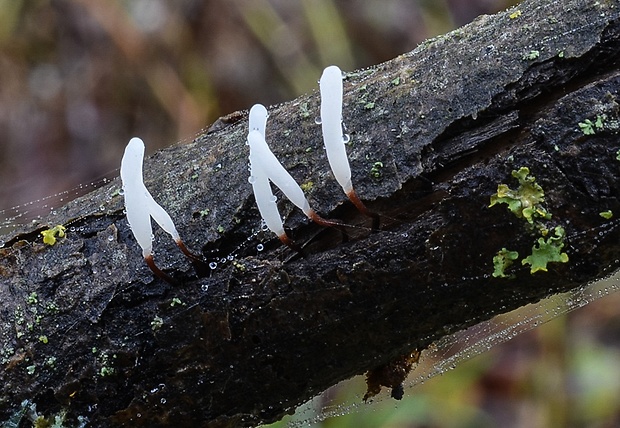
x=87 y=329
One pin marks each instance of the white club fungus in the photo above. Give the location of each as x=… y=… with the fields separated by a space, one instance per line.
x=140 y=207
x=330 y=87
x=331 y=90
x=265 y=167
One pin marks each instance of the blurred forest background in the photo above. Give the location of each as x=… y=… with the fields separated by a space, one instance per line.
x=78 y=78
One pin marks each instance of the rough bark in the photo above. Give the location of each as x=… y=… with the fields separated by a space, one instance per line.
x=260 y=334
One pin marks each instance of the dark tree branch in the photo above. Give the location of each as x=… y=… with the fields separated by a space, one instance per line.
x=442 y=126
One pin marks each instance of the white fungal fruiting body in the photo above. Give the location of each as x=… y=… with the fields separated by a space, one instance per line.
x=265 y=166
x=265 y=200
x=263 y=158
x=139 y=204
x=258 y=119
x=330 y=87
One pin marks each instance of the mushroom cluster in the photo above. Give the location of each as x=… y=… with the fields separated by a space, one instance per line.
x=265 y=167
x=264 y=170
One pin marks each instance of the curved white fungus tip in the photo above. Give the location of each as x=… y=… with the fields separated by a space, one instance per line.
x=330 y=87
x=258 y=118
x=139 y=204
x=261 y=158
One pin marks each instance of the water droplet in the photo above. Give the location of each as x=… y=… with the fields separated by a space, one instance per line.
x=121 y=192
x=213 y=265
x=231 y=257
x=223 y=260
x=251 y=179
x=273 y=198
x=110 y=238
x=318 y=120
x=260 y=247
x=204 y=287
x=163 y=401
x=346 y=138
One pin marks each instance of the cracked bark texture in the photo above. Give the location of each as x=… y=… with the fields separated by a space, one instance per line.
x=260 y=334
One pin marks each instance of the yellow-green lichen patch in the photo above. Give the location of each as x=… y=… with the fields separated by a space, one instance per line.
x=524 y=202
x=547 y=251
x=502 y=261
x=515 y=14
x=607 y=215
x=50 y=235
x=239 y=266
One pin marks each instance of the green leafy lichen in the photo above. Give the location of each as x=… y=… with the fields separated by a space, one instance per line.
x=525 y=201
x=547 y=251
x=157 y=323
x=106 y=371
x=369 y=105
x=589 y=128
x=176 y=301
x=502 y=261
x=607 y=215
x=375 y=171
x=33 y=298
x=304 y=111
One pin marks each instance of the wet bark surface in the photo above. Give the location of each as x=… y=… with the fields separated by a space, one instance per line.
x=87 y=329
